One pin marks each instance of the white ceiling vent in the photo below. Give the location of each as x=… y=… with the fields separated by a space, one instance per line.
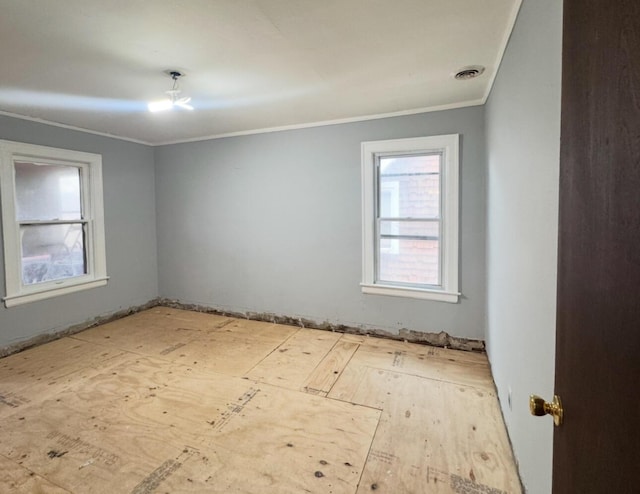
x=469 y=72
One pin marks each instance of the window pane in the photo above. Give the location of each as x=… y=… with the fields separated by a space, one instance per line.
x=47 y=192
x=409 y=186
x=409 y=261
x=52 y=252
x=389 y=199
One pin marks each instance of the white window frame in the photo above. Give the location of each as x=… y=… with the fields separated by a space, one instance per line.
x=17 y=292
x=448 y=145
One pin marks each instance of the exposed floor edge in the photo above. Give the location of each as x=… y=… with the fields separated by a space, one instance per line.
x=76 y=328
x=441 y=339
x=506 y=428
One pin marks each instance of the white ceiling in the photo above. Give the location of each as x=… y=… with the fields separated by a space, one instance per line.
x=251 y=64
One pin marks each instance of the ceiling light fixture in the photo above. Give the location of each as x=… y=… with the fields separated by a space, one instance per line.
x=173 y=100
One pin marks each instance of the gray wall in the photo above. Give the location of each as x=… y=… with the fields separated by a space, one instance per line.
x=129 y=203
x=272 y=223
x=523 y=143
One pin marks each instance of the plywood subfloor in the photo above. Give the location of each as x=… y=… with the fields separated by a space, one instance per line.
x=171 y=401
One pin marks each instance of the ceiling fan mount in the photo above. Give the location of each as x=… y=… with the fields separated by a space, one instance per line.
x=174 y=74
x=173 y=99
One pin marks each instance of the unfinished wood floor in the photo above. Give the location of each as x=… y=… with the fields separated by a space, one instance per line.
x=171 y=401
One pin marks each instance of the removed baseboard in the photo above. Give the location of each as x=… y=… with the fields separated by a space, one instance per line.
x=76 y=328
x=441 y=339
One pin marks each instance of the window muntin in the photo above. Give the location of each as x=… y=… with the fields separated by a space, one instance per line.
x=53 y=224
x=410 y=217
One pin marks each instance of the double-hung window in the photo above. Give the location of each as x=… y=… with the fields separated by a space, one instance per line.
x=410 y=217
x=52 y=221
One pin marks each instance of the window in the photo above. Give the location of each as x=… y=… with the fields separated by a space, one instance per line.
x=52 y=221
x=410 y=217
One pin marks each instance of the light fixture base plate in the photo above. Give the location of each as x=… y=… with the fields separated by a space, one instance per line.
x=174 y=74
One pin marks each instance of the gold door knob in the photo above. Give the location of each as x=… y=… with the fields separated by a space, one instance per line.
x=539 y=407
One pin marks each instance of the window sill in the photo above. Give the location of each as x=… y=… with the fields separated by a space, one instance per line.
x=419 y=293
x=55 y=291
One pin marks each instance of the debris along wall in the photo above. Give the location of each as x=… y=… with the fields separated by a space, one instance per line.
x=441 y=339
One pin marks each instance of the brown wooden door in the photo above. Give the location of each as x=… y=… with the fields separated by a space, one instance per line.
x=597 y=449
